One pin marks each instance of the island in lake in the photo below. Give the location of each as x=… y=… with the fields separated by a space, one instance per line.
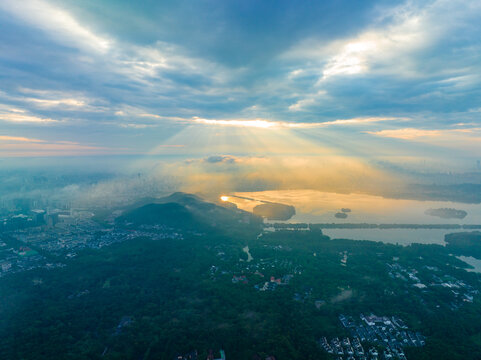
x=464 y=243
x=274 y=211
x=447 y=213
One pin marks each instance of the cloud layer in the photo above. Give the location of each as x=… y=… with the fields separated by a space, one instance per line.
x=111 y=77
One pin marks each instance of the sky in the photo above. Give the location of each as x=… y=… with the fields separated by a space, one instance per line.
x=345 y=81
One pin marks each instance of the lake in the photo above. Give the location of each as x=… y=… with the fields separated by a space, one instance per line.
x=475 y=263
x=314 y=206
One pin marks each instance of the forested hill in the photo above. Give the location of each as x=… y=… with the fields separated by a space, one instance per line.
x=169 y=214
x=189 y=212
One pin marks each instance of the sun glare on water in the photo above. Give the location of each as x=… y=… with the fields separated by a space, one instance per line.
x=224 y=198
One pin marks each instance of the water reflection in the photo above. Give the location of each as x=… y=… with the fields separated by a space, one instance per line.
x=321 y=207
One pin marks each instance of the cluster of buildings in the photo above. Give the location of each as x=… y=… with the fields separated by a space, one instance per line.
x=34 y=240
x=347 y=349
x=460 y=291
x=456 y=292
x=15 y=258
x=31 y=218
x=390 y=334
x=25 y=216
x=391 y=331
x=193 y=355
x=270 y=285
x=66 y=239
x=274 y=282
x=262 y=264
x=396 y=271
x=244 y=271
x=241 y=278
x=305 y=295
